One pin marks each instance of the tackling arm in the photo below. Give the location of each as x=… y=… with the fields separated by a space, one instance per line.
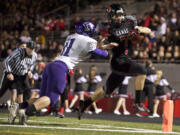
x=103 y=46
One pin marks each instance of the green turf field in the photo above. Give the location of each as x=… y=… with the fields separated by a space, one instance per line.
x=72 y=126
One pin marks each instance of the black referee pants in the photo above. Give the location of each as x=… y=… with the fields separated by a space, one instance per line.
x=19 y=83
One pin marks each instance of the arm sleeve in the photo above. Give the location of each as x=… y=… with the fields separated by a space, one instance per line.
x=100 y=52
x=16 y=54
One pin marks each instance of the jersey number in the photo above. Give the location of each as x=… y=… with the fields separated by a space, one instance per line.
x=67 y=46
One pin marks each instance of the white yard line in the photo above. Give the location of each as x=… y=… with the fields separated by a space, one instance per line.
x=96 y=127
x=78 y=123
x=88 y=129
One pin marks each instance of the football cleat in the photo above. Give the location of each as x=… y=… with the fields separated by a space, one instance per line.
x=22 y=117
x=12 y=112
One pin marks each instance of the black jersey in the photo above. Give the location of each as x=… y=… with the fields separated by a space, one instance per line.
x=120 y=32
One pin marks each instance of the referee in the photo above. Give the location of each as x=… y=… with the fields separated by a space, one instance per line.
x=16 y=67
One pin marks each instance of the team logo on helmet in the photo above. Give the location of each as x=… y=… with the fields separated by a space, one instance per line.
x=86 y=28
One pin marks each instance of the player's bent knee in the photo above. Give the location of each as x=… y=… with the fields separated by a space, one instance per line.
x=46 y=101
x=42 y=102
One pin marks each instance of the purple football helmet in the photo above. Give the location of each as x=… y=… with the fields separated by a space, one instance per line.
x=86 y=28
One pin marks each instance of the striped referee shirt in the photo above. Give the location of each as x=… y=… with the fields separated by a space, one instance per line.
x=19 y=63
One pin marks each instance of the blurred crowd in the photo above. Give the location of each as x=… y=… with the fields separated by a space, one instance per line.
x=164 y=41
x=45 y=22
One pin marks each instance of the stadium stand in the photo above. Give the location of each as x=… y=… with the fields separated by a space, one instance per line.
x=49 y=26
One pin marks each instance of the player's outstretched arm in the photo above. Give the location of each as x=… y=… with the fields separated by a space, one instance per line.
x=103 y=46
x=144 y=30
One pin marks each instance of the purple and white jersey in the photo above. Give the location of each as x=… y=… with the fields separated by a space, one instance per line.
x=76 y=49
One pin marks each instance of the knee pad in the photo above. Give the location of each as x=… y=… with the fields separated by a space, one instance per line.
x=139 y=82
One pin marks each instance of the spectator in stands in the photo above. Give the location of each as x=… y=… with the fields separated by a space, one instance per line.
x=147 y=19
x=52 y=48
x=176 y=38
x=155 y=23
x=153 y=51
x=43 y=51
x=160 y=54
x=168 y=55
x=161 y=30
x=163 y=42
x=65 y=32
x=25 y=36
x=152 y=39
x=29 y=17
x=173 y=21
x=145 y=43
x=75 y=21
x=168 y=35
x=37 y=77
x=3 y=51
x=60 y=24
x=41 y=39
x=135 y=54
x=176 y=53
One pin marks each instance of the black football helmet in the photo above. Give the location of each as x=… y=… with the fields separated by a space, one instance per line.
x=115 y=9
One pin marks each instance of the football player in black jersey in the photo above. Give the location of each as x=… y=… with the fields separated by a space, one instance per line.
x=122 y=28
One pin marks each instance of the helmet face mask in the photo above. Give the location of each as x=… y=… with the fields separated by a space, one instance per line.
x=118 y=18
x=86 y=28
x=116 y=13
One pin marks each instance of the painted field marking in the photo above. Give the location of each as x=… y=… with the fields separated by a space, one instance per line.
x=137 y=130
x=20 y=132
x=89 y=129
